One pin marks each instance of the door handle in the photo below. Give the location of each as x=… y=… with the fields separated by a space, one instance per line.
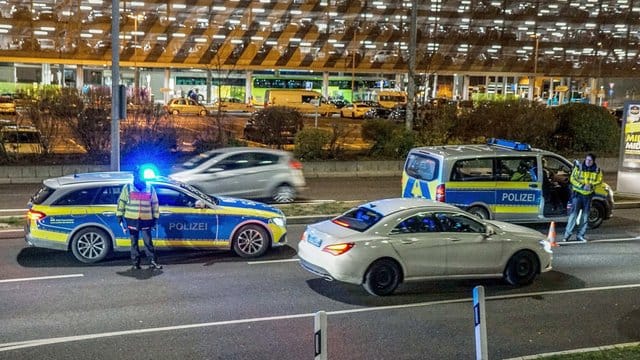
x=165 y=212
x=533 y=185
x=408 y=241
x=109 y=213
x=455 y=240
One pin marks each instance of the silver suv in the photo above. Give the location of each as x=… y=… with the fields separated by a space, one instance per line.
x=245 y=172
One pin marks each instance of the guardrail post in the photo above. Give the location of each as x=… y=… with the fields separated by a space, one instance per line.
x=320 y=336
x=479 y=317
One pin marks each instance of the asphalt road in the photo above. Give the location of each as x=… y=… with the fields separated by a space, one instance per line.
x=213 y=305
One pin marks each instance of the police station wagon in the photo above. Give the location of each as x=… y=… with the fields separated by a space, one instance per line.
x=77 y=213
x=502 y=180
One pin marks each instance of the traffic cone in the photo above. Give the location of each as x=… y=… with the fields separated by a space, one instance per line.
x=551 y=237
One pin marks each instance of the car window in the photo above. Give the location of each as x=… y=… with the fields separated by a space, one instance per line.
x=419 y=223
x=234 y=162
x=359 y=219
x=199 y=159
x=262 y=159
x=172 y=197
x=108 y=195
x=77 y=197
x=455 y=222
x=42 y=194
x=473 y=170
x=421 y=167
x=516 y=169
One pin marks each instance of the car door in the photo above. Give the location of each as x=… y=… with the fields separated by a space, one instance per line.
x=417 y=241
x=226 y=175
x=469 y=250
x=181 y=224
x=518 y=189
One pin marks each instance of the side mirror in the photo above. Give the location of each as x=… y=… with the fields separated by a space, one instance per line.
x=576 y=162
x=200 y=204
x=489 y=231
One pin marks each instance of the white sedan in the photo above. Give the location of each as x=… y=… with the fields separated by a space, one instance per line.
x=385 y=242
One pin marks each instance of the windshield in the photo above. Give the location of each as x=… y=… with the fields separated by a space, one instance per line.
x=359 y=219
x=200 y=158
x=192 y=189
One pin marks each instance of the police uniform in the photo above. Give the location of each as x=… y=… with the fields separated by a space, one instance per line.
x=584 y=180
x=138 y=204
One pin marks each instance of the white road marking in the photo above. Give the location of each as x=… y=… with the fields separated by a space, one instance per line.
x=12 y=210
x=12 y=230
x=41 y=278
x=271 y=261
x=39 y=342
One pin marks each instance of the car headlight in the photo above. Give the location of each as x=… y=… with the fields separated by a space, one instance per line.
x=279 y=221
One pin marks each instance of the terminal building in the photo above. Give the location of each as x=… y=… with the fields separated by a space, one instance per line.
x=558 y=50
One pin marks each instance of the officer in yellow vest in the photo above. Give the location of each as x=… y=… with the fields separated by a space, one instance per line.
x=137 y=213
x=584 y=179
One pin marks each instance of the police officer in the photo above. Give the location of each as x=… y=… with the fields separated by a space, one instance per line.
x=584 y=179
x=138 y=205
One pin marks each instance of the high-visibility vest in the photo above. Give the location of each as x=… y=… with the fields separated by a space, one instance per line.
x=141 y=205
x=581 y=177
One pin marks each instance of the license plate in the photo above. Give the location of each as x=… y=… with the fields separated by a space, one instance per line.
x=314 y=240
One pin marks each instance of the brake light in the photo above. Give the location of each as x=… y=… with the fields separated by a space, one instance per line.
x=341 y=223
x=295 y=164
x=35 y=215
x=440 y=193
x=338 y=249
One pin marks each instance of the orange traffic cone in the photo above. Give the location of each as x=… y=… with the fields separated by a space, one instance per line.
x=551 y=238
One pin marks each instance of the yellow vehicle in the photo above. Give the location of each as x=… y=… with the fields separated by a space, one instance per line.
x=21 y=140
x=232 y=104
x=355 y=110
x=305 y=101
x=7 y=105
x=391 y=98
x=183 y=106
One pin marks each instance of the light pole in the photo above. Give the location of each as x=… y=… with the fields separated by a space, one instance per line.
x=535 y=62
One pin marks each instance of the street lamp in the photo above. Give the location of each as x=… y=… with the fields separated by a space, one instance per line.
x=535 y=61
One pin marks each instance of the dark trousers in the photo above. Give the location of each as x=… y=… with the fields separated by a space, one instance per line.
x=149 y=250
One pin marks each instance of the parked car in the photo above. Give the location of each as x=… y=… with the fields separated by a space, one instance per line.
x=185 y=106
x=245 y=172
x=232 y=104
x=383 y=243
x=357 y=110
x=7 y=105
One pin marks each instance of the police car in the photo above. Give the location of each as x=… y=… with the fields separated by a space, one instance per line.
x=77 y=213
x=503 y=180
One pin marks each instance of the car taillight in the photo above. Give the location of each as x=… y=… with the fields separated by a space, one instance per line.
x=295 y=164
x=35 y=215
x=303 y=237
x=440 y=193
x=338 y=249
x=339 y=222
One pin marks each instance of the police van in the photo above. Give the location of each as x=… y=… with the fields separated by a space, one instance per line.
x=77 y=213
x=502 y=180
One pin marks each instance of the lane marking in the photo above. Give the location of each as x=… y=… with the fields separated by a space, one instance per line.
x=12 y=230
x=42 y=278
x=12 y=210
x=39 y=342
x=272 y=261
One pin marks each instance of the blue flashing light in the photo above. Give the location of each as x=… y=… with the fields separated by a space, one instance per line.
x=148 y=171
x=509 y=144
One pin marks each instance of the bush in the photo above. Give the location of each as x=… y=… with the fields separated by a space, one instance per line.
x=310 y=142
x=587 y=128
x=274 y=125
x=389 y=140
x=93 y=130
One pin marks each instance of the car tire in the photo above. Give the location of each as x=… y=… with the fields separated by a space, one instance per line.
x=382 y=278
x=479 y=211
x=250 y=241
x=175 y=112
x=596 y=215
x=203 y=112
x=283 y=193
x=522 y=268
x=91 y=245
